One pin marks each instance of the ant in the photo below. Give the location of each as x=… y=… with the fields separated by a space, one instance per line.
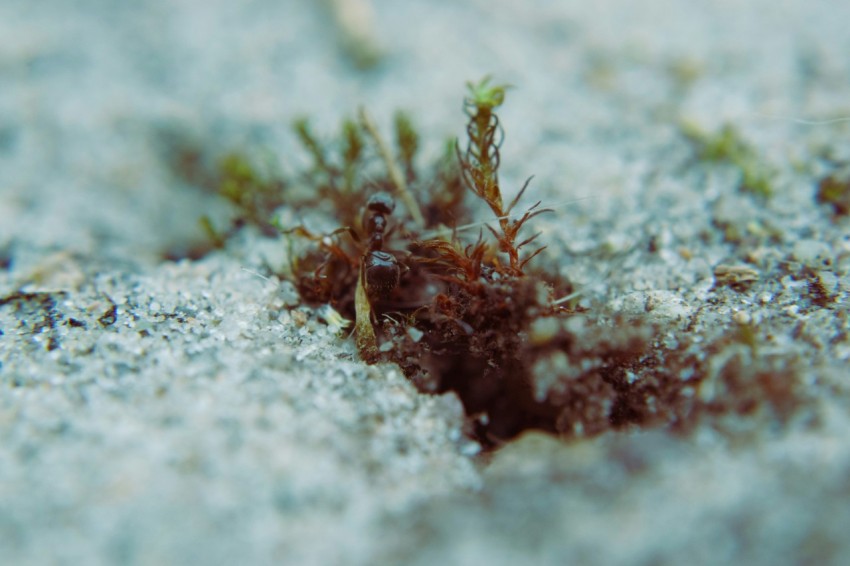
x=379 y=270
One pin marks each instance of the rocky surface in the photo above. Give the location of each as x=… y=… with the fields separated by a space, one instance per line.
x=158 y=410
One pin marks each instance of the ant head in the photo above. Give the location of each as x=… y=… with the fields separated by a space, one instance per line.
x=374 y=220
x=380 y=203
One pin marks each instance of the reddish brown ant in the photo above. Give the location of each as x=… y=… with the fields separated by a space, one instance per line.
x=379 y=271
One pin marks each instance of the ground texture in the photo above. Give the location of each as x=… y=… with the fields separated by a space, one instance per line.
x=158 y=410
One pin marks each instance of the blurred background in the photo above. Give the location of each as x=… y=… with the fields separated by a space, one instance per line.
x=94 y=94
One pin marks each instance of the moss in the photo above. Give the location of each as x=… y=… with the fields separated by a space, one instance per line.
x=727 y=146
x=467 y=311
x=443 y=196
x=457 y=317
x=480 y=165
x=256 y=195
x=353 y=145
x=407 y=141
x=834 y=190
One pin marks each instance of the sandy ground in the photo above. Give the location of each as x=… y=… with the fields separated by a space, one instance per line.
x=162 y=412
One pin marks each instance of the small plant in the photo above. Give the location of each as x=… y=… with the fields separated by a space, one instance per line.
x=407 y=140
x=450 y=311
x=480 y=167
x=257 y=196
x=254 y=195
x=727 y=146
x=458 y=311
x=834 y=190
x=335 y=179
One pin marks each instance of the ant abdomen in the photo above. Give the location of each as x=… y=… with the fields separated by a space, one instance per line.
x=381 y=272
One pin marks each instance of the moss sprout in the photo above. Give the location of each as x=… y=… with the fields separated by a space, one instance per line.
x=834 y=190
x=480 y=167
x=256 y=195
x=407 y=140
x=727 y=146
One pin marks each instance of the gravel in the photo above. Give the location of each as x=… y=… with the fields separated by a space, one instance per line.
x=157 y=409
